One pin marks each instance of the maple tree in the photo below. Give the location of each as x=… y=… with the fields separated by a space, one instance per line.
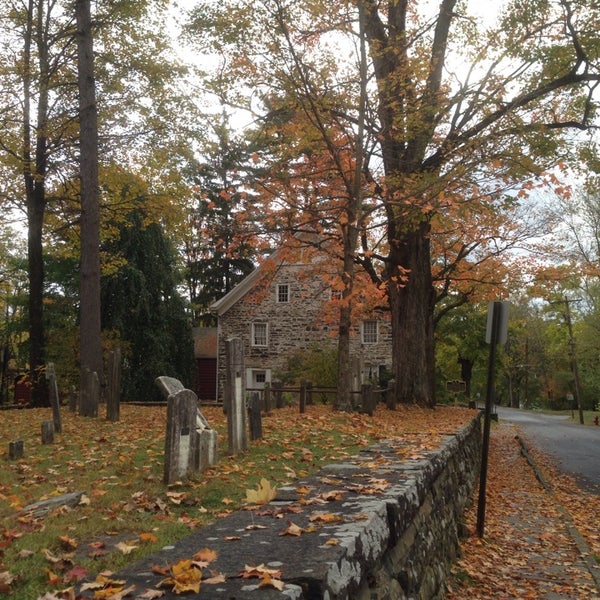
x=460 y=114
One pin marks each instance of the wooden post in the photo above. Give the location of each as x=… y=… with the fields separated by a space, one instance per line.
x=53 y=397
x=235 y=396
x=47 y=432
x=15 y=449
x=113 y=398
x=309 y=393
x=255 y=417
x=303 y=394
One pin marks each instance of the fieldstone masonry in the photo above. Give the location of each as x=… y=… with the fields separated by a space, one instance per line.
x=395 y=534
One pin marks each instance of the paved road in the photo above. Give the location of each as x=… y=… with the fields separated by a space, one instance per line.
x=576 y=448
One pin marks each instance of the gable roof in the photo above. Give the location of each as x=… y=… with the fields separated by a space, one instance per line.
x=222 y=305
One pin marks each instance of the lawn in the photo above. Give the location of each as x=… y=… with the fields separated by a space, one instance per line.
x=126 y=511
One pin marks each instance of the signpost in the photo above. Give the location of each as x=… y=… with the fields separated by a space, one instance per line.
x=497 y=328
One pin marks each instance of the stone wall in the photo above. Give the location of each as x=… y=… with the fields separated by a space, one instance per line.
x=376 y=527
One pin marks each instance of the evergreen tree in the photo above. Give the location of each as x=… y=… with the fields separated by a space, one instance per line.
x=142 y=306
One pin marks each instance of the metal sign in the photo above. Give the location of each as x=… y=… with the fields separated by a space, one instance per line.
x=502 y=324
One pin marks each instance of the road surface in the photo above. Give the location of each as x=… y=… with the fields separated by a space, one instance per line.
x=575 y=448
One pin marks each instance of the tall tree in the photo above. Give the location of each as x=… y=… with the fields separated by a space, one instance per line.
x=220 y=244
x=138 y=86
x=90 y=339
x=461 y=113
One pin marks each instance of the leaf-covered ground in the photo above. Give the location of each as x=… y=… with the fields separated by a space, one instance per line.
x=527 y=550
x=126 y=511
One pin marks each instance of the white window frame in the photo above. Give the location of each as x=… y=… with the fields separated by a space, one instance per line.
x=254 y=336
x=369 y=335
x=282 y=293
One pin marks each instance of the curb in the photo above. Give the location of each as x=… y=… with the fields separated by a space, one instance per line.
x=582 y=546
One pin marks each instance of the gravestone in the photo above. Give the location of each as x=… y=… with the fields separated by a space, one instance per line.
x=15 y=449
x=47 y=432
x=181 y=441
x=235 y=397
x=202 y=445
x=255 y=416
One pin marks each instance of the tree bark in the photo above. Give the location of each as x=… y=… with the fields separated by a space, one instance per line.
x=411 y=297
x=34 y=173
x=90 y=326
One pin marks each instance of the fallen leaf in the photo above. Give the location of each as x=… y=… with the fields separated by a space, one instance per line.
x=126 y=547
x=184 y=578
x=293 y=529
x=263 y=494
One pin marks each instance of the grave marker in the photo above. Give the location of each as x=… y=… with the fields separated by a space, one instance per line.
x=47 y=432
x=181 y=442
x=15 y=449
x=255 y=416
x=202 y=448
x=235 y=396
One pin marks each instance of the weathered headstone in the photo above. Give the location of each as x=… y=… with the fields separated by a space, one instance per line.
x=255 y=416
x=89 y=394
x=113 y=397
x=15 y=449
x=47 y=432
x=181 y=442
x=390 y=394
x=235 y=396
x=204 y=447
x=53 y=397
x=368 y=399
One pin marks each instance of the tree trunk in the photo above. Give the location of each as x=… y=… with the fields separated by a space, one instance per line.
x=34 y=174
x=411 y=298
x=343 y=399
x=90 y=328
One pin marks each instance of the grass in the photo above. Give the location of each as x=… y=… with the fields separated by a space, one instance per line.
x=119 y=468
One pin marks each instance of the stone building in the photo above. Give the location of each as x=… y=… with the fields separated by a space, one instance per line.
x=284 y=307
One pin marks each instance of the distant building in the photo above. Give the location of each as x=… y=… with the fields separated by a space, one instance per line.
x=285 y=307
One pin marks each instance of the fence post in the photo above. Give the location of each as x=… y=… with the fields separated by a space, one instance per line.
x=303 y=394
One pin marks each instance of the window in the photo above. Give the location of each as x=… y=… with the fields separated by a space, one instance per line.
x=260 y=334
x=283 y=292
x=369 y=332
